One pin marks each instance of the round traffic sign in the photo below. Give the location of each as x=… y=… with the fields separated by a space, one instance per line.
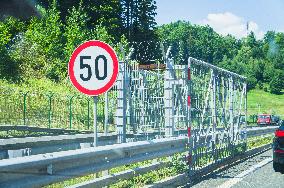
x=93 y=68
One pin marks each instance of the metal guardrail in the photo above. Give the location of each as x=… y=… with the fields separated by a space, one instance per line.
x=35 y=129
x=43 y=169
x=171 y=181
x=48 y=144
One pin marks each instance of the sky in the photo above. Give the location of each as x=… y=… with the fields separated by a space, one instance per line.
x=225 y=16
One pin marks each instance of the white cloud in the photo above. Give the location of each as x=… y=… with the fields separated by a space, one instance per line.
x=228 y=23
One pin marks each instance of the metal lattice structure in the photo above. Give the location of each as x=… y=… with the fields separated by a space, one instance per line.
x=218 y=112
x=145 y=105
x=152 y=102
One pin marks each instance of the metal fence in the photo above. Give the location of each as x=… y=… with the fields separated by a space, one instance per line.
x=218 y=113
x=50 y=110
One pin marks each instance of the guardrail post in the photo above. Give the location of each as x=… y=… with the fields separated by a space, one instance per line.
x=121 y=103
x=168 y=96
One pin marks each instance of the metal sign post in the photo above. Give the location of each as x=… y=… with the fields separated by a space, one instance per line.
x=95 y=122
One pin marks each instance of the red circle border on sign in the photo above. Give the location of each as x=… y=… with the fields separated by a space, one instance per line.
x=71 y=63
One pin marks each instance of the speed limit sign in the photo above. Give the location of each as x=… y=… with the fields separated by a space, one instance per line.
x=93 y=68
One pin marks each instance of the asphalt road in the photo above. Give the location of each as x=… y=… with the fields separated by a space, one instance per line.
x=264 y=177
x=256 y=172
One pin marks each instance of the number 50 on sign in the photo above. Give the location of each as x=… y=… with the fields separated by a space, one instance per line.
x=93 y=68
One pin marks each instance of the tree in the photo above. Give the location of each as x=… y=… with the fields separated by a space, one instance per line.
x=277 y=84
x=40 y=47
x=255 y=46
x=139 y=26
x=76 y=30
x=106 y=13
x=9 y=32
x=200 y=42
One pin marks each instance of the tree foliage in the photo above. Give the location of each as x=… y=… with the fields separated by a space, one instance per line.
x=41 y=46
x=262 y=61
x=44 y=45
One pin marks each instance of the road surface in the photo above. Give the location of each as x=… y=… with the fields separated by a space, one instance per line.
x=256 y=172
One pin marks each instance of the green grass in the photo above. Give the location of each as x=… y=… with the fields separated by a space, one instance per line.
x=256 y=142
x=269 y=103
x=49 y=104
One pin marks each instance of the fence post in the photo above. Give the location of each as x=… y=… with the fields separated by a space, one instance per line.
x=231 y=108
x=25 y=108
x=121 y=104
x=49 y=110
x=190 y=156
x=70 y=112
x=246 y=113
x=213 y=113
x=168 y=96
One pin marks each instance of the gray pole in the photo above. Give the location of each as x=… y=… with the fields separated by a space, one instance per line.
x=106 y=114
x=95 y=122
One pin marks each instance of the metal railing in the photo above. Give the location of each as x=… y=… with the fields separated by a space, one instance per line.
x=48 y=168
x=47 y=144
x=39 y=170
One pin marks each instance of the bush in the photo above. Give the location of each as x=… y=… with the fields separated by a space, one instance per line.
x=251 y=82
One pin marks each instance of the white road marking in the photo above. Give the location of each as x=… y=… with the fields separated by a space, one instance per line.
x=242 y=175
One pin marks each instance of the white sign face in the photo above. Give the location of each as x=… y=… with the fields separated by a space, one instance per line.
x=93 y=68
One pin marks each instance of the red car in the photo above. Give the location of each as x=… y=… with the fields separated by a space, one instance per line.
x=264 y=119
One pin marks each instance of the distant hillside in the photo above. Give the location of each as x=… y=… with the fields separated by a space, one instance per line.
x=269 y=103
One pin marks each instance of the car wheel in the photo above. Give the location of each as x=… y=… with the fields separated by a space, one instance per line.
x=277 y=167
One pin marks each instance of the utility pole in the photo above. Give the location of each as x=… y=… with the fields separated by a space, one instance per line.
x=247 y=28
